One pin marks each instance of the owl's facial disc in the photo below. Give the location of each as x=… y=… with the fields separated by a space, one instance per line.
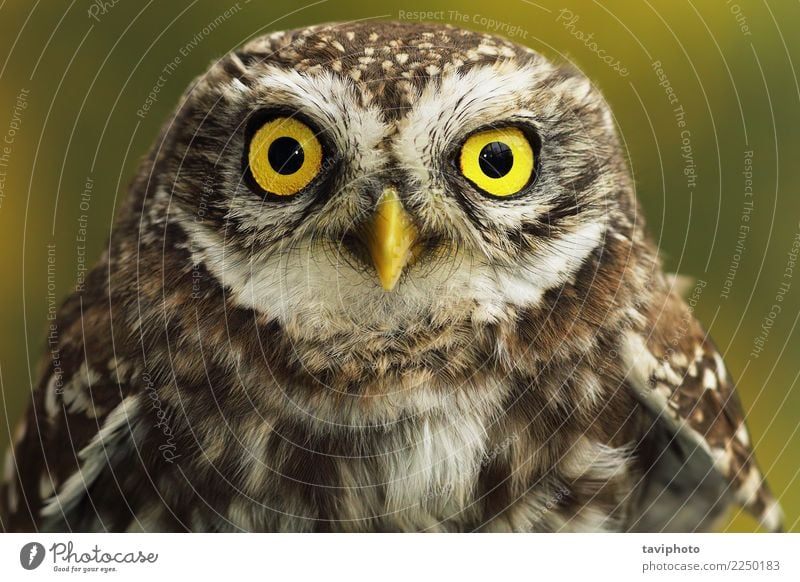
x=348 y=194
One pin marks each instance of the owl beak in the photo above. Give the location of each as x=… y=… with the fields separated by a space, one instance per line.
x=390 y=239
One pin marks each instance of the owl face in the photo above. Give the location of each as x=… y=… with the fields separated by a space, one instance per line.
x=378 y=174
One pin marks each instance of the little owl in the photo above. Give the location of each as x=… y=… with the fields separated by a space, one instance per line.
x=382 y=276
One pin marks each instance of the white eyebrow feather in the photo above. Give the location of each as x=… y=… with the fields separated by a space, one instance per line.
x=330 y=99
x=457 y=103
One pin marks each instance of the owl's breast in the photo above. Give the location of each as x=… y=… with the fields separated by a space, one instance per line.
x=419 y=468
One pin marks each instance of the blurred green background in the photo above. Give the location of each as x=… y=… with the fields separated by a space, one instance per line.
x=83 y=69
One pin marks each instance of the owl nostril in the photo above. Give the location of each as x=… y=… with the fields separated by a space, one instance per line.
x=354 y=244
x=428 y=243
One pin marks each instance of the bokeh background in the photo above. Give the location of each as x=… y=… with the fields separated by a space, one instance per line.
x=73 y=76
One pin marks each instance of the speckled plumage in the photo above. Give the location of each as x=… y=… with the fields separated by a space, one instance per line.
x=233 y=365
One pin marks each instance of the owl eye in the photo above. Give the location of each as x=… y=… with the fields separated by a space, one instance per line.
x=284 y=156
x=498 y=161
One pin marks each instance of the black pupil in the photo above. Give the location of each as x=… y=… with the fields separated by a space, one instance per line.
x=286 y=155
x=496 y=159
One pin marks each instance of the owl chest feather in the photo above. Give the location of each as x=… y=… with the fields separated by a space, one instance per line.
x=449 y=461
x=419 y=469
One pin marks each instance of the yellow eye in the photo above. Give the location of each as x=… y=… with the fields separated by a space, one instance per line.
x=284 y=156
x=498 y=161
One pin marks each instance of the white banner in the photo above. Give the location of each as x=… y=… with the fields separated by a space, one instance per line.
x=386 y=557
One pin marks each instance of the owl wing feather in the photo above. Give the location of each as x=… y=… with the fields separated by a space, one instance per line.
x=77 y=427
x=693 y=438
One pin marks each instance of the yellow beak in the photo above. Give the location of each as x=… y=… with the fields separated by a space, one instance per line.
x=390 y=239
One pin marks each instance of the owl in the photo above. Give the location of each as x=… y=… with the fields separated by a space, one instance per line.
x=382 y=276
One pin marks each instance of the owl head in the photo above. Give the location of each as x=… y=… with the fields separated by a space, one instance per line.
x=378 y=173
